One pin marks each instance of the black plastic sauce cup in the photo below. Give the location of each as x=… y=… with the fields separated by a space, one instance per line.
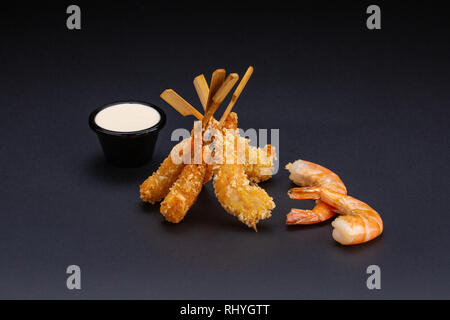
x=128 y=149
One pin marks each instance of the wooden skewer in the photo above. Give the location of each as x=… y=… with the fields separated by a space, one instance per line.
x=179 y=104
x=219 y=96
x=201 y=86
x=236 y=94
x=217 y=79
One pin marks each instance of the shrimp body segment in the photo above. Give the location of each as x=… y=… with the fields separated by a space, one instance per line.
x=237 y=194
x=263 y=168
x=305 y=173
x=258 y=161
x=183 y=193
x=157 y=186
x=321 y=212
x=248 y=202
x=358 y=222
x=187 y=187
x=230 y=123
x=234 y=183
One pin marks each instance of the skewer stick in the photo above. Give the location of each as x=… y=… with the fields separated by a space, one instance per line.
x=201 y=86
x=219 y=96
x=217 y=79
x=236 y=94
x=179 y=104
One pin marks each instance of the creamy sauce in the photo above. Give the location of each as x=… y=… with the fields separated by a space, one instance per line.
x=127 y=117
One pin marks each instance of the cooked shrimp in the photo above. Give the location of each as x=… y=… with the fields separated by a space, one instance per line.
x=248 y=202
x=183 y=193
x=258 y=161
x=187 y=187
x=305 y=173
x=179 y=183
x=358 y=222
x=261 y=170
x=229 y=123
x=156 y=187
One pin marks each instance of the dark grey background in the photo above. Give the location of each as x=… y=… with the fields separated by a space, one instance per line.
x=371 y=105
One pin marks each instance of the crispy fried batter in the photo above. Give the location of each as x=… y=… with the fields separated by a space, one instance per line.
x=258 y=161
x=208 y=174
x=156 y=187
x=237 y=195
x=263 y=168
x=183 y=193
x=231 y=122
x=181 y=184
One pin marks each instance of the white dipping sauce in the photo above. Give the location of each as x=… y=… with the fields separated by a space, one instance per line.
x=127 y=117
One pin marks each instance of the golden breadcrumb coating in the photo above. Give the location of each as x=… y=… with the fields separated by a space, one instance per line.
x=237 y=195
x=185 y=190
x=181 y=184
x=258 y=161
x=183 y=193
x=231 y=121
x=263 y=168
x=156 y=187
x=208 y=174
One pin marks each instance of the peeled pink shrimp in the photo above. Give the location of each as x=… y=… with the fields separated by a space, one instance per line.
x=358 y=222
x=305 y=173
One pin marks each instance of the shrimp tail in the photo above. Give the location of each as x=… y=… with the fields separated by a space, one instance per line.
x=305 y=193
x=358 y=222
x=321 y=212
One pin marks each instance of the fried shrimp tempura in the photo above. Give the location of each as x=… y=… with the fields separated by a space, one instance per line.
x=258 y=161
x=185 y=190
x=263 y=168
x=183 y=193
x=237 y=194
x=229 y=123
x=156 y=187
x=180 y=184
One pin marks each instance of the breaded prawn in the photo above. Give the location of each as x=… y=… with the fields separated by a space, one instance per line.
x=230 y=123
x=235 y=192
x=187 y=187
x=156 y=187
x=260 y=169
x=183 y=193
x=258 y=161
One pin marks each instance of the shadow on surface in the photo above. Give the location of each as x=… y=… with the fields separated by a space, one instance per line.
x=206 y=212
